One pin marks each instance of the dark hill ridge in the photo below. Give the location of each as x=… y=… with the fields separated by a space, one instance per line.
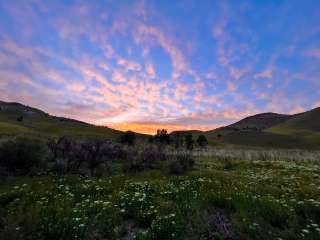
x=18 y=119
x=300 y=130
x=13 y=109
x=307 y=120
x=265 y=130
x=18 y=107
x=260 y=121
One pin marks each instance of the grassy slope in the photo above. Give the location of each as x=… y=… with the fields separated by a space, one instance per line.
x=305 y=126
x=269 y=130
x=40 y=124
x=265 y=139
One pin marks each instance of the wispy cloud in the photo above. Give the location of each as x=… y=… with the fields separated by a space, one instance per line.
x=136 y=65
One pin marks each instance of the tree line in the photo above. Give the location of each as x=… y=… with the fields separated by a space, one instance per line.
x=177 y=140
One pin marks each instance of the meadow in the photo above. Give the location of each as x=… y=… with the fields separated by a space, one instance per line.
x=229 y=194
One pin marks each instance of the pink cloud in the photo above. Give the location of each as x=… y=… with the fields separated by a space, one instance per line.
x=231 y=87
x=143 y=35
x=268 y=73
x=315 y=52
x=129 y=65
x=237 y=73
x=150 y=70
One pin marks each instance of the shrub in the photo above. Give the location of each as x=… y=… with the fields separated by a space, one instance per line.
x=180 y=163
x=69 y=155
x=156 y=157
x=202 y=141
x=128 y=138
x=21 y=155
x=189 y=142
x=177 y=139
x=20 y=119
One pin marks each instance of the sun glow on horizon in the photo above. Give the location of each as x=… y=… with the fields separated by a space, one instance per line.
x=151 y=128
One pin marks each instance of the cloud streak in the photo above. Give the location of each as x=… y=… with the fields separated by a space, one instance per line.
x=141 y=67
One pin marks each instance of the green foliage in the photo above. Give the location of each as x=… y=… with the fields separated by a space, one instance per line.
x=162 y=136
x=21 y=155
x=71 y=156
x=189 y=142
x=202 y=141
x=180 y=163
x=260 y=198
x=157 y=157
x=128 y=138
x=20 y=119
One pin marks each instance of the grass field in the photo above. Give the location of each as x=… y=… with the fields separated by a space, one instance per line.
x=229 y=195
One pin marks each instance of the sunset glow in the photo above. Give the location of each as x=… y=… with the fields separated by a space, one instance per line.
x=151 y=128
x=143 y=65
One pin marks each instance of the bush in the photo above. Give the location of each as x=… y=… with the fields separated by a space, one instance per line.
x=159 y=158
x=189 y=142
x=69 y=155
x=20 y=119
x=180 y=163
x=128 y=138
x=202 y=141
x=21 y=155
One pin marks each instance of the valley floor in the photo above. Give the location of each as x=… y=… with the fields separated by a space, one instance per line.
x=223 y=198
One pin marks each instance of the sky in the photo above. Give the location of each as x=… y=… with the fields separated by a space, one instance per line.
x=143 y=65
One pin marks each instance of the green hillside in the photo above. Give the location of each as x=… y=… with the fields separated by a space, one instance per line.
x=261 y=130
x=268 y=130
x=17 y=119
x=273 y=130
x=304 y=125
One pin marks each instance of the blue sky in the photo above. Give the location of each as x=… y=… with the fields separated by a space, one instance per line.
x=143 y=65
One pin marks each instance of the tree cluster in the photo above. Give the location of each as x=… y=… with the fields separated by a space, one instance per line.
x=178 y=140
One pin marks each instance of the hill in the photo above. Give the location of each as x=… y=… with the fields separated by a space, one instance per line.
x=18 y=119
x=262 y=130
x=304 y=125
x=269 y=130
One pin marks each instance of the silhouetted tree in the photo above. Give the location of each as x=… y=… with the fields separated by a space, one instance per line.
x=202 y=141
x=128 y=138
x=162 y=136
x=189 y=141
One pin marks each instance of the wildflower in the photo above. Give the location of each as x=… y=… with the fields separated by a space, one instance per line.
x=305 y=230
